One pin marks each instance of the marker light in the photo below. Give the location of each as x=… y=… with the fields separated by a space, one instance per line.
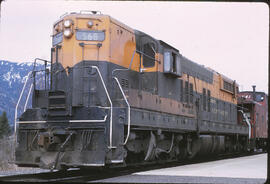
x=90 y=24
x=67 y=23
x=67 y=33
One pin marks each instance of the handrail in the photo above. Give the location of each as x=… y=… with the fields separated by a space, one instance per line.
x=129 y=67
x=19 y=100
x=128 y=109
x=148 y=56
x=35 y=62
x=89 y=120
x=248 y=123
x=34 y=72
x=123 y=94
x=29 y=92
x=69 y=121
x=111 y=107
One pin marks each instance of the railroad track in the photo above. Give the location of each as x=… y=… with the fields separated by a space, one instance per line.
x=86 y=175
x=55 y=176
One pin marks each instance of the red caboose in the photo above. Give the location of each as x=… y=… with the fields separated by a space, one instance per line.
x=253 y=111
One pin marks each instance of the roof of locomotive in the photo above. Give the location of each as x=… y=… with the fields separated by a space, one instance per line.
x=93 y=14
x=190 y=67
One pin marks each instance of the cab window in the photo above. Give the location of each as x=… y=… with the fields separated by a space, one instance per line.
x=148 y=55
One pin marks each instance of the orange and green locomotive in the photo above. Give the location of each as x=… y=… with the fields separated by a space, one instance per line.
x=116 y=96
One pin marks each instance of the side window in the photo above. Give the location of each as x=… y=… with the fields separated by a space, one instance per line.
x=209 y=100
x=229 y=86
x=149 y=55
x=186 y=91
x=167 y=62
x=191 y=93
x=217 y=107
x=230 y=113
x=181 y=91
x=204 y=99
x=224 y=110
x=172 y=63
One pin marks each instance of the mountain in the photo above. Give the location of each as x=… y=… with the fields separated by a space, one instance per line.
x=12 y=78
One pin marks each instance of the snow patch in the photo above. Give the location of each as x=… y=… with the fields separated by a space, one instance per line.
x=24 y=79
x=25 y=64
x=12 y=77
x=29 y=64
x=7 y=76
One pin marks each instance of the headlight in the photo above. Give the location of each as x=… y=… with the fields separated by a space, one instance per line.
x=67 y=33
x=90 y=24
x=67 y=23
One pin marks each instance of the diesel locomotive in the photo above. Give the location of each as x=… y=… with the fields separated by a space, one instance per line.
x=115 y=96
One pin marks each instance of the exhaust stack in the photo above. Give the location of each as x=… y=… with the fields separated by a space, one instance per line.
x=254 y=92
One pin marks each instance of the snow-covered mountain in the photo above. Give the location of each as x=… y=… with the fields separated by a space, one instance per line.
x=12 y=78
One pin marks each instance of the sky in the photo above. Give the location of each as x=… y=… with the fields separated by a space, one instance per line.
x=229 y=37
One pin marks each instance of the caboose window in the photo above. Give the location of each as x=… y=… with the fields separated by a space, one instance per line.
x=58 y=38
x=85 y=35
x=259 y=98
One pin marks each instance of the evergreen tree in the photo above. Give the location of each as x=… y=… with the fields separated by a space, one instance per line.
x=4 y=126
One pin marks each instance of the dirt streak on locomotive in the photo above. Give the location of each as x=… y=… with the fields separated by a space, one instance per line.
x=117 y=96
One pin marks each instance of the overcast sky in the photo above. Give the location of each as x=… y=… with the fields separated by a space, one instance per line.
x=231 y=38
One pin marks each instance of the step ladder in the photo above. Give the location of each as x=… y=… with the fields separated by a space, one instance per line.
x=57 y=105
